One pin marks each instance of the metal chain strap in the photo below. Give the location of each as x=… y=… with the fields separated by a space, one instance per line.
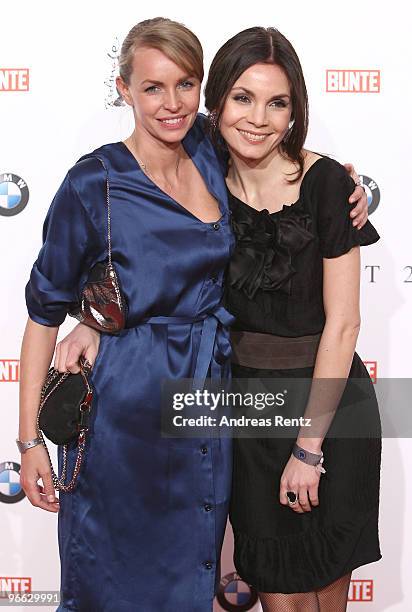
x=112 y=271
x=109 y=217
x=109 y=221
x=59 y=483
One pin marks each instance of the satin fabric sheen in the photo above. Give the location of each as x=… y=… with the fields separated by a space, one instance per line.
x=144 y=528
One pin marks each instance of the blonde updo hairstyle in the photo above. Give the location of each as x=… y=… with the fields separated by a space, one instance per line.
x=173 y=39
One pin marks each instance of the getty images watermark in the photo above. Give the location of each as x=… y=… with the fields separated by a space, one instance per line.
x=275 y=408
x=224 y=401
x=287 y=407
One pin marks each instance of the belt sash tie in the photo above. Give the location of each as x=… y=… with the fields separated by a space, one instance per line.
x=209 y=339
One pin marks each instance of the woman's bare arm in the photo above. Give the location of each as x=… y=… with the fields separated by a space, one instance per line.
x=341 y=286
x=333 y=362
x=36 y=355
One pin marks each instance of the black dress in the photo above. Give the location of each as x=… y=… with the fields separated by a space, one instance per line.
x=274 y=286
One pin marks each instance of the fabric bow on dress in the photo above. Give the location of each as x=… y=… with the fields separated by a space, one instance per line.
x=266 y=244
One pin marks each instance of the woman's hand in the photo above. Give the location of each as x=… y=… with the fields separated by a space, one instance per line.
x=82 y=340
x=359 y=214
x=35 y=464
x=303 y=480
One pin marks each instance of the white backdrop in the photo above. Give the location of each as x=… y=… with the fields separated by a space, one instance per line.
x=68 y=50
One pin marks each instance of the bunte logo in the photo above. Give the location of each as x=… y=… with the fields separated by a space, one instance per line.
x=360 y=590
x=14 y=584
x=353 y=81
x=372 y=367
x=9 y=370
x=14 y=79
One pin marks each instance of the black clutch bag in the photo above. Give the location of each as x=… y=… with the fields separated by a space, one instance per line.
x=63 y=417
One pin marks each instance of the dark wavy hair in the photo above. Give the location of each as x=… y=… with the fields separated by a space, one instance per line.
x=260 y=46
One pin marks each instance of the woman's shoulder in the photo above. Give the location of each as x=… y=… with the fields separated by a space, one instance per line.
x=324 y=170
x=326 y=184
x=86 y=180
x=94 y=166
x=86 y=166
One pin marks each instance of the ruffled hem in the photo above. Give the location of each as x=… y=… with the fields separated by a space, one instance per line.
x=307 y=561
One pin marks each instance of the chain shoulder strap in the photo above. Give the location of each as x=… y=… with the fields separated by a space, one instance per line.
x=109 y=220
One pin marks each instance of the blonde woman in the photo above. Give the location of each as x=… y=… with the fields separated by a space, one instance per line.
x=143 y=528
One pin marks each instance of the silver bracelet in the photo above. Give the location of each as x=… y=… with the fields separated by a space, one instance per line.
x=24 y=446
x=309 y=458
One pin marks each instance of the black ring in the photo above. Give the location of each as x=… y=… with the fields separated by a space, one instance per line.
x=292 y=497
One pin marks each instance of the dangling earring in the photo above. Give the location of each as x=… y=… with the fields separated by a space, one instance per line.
x=213 y=119
x=291 y=124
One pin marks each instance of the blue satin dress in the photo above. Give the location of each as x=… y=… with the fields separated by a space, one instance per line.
x=144 y=527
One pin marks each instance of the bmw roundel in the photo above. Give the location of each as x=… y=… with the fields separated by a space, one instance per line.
x=10 y=488
x=373 y=193
x=235 y=595
x=14 y=194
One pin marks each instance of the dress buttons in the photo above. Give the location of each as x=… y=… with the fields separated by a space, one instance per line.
x=216 y=226
x=208 y=565
x=203 y=450
x=207 y=507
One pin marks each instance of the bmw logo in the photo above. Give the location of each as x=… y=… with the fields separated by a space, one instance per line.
x=235 y=595
x=10 y=489
x=372 y=192
x=14 y=194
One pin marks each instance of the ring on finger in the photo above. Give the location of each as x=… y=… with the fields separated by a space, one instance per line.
x=292 y=498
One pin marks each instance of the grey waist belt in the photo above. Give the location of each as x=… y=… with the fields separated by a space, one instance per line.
x=268 y=352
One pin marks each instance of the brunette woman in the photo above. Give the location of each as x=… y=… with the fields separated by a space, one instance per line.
x=293 y=286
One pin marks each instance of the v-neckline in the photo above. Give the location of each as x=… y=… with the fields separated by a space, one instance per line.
x=173 y=200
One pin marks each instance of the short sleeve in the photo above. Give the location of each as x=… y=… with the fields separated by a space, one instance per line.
x=71 y=244
x=333 y=187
